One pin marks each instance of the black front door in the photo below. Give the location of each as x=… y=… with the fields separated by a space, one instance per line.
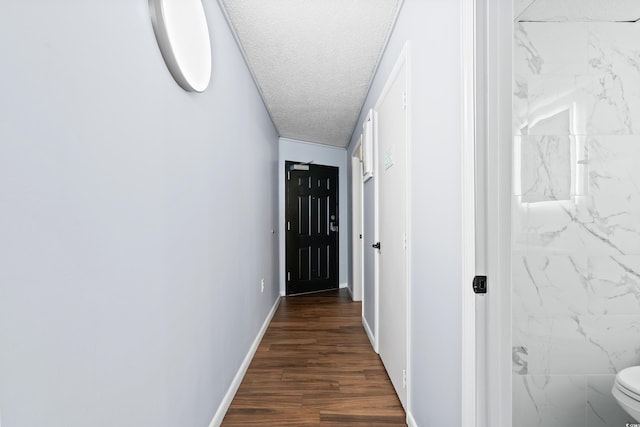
x=311 y=224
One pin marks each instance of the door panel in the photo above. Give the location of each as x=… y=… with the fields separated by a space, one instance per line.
x=390 y=117
x=311 y=213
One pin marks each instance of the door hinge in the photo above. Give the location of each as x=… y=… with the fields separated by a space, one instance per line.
x=480 y=284
x=288 y=176
x=288 y=276
x=288 y=225
x=404 y=378
x=404 y=100
x=404 y=241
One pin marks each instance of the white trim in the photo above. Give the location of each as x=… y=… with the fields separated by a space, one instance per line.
x=242 y=370
x=357 y=233
x=349 y=292
x=410 y=421
x=376 y=231
x=499 y=31
x=481 y=210
x=372 y=338
x=344 y=285
x=408 y=223
x=467 y=50
x=314 y=144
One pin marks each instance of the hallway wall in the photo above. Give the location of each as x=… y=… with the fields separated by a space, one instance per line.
x=433 y=27
x=576 y=220
x=135 y=220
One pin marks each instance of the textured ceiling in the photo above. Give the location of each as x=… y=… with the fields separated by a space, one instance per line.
x=577 y=10
x=313 y=60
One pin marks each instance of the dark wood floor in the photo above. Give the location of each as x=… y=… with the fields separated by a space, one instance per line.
x=315 y=366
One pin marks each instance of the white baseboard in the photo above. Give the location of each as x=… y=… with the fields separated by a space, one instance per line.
x=344 y=285
x=410 y=421
x=350 y=293
x=233 y=388
x=367 y=329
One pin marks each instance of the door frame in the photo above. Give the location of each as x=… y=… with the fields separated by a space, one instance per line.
x=357 y=221
x=304 y=152
x=288 y=185
x=486 y=35
x=469 y=372
x=496 y=103
x=486 y=43
x=404 y=59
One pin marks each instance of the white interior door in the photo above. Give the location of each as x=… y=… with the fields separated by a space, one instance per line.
x=391 y=122
x=356 y=223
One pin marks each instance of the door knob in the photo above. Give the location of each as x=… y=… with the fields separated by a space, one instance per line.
x=376 y=246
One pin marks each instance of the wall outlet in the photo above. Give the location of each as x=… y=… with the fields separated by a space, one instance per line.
x=262 y=285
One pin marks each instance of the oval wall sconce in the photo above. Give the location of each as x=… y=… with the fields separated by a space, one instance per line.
x=182 y=33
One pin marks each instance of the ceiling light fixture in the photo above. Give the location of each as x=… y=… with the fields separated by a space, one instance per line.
x=182 y=33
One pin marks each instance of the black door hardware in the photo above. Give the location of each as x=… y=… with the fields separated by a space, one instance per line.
x=480 y=284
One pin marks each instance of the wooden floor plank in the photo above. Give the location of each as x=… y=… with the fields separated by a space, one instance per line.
x=315 y=367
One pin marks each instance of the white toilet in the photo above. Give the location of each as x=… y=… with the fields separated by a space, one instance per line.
x=626 y=391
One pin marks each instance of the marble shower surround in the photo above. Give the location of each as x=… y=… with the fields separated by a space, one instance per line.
x=576 y=220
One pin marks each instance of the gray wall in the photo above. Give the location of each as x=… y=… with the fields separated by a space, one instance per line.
x=433 y=26
x=301 y=151
x=134 y=226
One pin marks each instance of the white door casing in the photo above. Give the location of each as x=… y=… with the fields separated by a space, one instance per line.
x=356 y=226
x=497 y=101
x=391 y=137
x=493 y=110
x=472 y=375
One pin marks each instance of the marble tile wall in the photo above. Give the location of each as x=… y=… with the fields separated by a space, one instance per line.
x=576 y=220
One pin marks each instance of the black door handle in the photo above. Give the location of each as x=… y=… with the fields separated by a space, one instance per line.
x=376 y=246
